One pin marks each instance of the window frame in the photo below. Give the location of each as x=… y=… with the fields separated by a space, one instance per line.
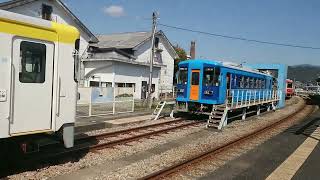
x=183 y=69
x=195 y=81
x=42 y=64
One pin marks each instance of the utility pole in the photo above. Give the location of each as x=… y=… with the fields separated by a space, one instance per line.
x=154 y=27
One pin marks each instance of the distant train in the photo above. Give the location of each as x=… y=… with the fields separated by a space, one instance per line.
x=38 y=78
x=216 y=88
x=203 y=83
x=290 y=89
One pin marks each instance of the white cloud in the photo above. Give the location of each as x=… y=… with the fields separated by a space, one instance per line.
x=114 y=11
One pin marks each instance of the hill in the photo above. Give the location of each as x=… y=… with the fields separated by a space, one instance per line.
x=304 y=72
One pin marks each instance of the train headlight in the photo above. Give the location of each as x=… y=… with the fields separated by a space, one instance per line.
x=181 y=90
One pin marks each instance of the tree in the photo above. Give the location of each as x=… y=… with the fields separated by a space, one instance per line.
x=182 y=55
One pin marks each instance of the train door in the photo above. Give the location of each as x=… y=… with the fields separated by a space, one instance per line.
x=194 y=87
x=228 y=84
x=32 y=86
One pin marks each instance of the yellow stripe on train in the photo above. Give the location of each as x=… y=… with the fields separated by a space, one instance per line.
x=55 y=33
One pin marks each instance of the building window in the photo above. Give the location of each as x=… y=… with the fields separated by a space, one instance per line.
x=156 y=42
x=46 y=12
x=33 y=62
x=158 y=57
x=94 y=84
x=120 y=84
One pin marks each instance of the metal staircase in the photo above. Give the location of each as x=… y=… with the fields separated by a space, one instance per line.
x=218 y=116
x=157 y=111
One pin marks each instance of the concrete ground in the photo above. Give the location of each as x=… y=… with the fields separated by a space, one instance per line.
x=295 y=154
x=84 y=124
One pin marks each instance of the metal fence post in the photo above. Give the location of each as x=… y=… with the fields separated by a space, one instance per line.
x=90 y=103
x=237 y=103
x=132 y=99
x=241 y=98
x=114 y=101
x=232 y=96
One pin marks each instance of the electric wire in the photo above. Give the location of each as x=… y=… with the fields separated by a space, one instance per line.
x=239 y=38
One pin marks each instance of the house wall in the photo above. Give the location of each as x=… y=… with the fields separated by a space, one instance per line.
x=118 y=72
x=34 y=9
x=166 y=78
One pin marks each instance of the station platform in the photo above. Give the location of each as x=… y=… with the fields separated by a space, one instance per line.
x=84 y=124
x=292 y=154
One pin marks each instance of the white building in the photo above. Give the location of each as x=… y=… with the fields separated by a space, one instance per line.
x=54 y=10
x=123 y=60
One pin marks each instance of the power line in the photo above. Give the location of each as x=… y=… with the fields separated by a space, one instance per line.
x=238 y=38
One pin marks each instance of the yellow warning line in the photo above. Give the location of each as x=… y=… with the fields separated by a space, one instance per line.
x=291 y=165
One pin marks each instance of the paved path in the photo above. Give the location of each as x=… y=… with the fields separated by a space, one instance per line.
x=293 y=154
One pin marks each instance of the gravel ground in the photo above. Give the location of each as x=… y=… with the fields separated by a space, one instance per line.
x=156 y=162
x=171 y=156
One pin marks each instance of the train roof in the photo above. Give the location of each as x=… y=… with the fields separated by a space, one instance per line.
x=224 y=64
x=27 y=26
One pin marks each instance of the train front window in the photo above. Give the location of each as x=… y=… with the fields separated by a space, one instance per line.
x=211 y=76
x=195 y=78
x=289 y=85
x=32 y=62
x=183 y=75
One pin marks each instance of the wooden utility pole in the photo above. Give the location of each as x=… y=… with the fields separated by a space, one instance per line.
x=154 y=27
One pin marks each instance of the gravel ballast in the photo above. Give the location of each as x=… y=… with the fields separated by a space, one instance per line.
x=140 y=158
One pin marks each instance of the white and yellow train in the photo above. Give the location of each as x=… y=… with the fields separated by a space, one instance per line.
x=38 y=77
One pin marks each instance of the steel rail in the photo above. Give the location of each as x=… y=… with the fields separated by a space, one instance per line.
x=212 y=152
x=86 y=147
x=140 y=136
x=124 y=131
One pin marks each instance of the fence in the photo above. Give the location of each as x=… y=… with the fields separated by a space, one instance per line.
x=97 y=101
x=167 y=93
x=243 y=98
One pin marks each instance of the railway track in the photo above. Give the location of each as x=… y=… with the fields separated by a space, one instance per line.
x=98 y=142
x=165 y=172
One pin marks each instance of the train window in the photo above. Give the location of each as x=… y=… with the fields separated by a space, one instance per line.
x=289 y=85
x=216 y=76
x=208 y=74
x=242 y=82
x=247 y=83
x=33 y=62
x=195 y=78
x=251 y=83
x=235 y=81
x=211 y=76
x=257 y=84
x=183 y=75
x=263 y=84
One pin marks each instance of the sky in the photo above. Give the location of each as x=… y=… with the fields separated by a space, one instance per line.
x=281 y=21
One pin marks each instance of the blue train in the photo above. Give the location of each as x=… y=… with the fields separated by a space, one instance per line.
x=203 y=83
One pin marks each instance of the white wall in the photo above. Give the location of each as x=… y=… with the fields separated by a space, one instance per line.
x=167 y=72
x=102 y=69
x=58 y=15
x=129 y=73
x=119 y=72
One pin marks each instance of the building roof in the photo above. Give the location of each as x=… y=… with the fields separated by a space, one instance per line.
x=122 y=40
x=130 y=40
x=15 y=3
